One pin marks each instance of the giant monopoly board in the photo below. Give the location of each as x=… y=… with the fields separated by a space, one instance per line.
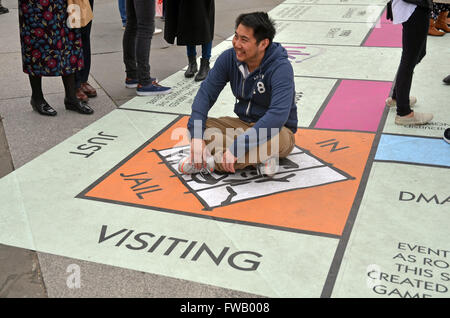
x=360 y=208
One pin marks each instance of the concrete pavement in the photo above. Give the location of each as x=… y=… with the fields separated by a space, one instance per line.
x=24 y=135
x=358 y=188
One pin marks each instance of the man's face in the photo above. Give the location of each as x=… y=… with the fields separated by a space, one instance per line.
x=245 y=46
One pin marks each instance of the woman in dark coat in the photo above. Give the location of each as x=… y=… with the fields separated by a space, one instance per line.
x=50 y=48
x=191 y=22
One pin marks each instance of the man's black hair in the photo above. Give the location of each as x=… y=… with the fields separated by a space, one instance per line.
x=263 y=27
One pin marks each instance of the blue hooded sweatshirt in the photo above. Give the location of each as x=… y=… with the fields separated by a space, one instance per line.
x=265 y=97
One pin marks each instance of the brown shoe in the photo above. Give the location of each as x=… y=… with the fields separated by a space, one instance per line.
x=88 y=90
x=441 y=22
x=433 y=31
x=81 y=96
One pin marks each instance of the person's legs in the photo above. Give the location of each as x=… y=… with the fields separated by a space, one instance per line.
x=191 y=51
x=70 y=101
x=221 y=133
x=3 y=9
x=204 y=62
x=145 y=18
x=164 y=9
x=129 y=41
x=206 y=50
x=82 y=76
x=144 y=14
x=69 y=87
x=412 y=100
x=192 y=58
x=279 y=146
x=441 y=20
x=123 y=12
x=446 y=80
x=36 y=88
x=414 y=41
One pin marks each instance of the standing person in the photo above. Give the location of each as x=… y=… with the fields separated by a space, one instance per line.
x=123 y=15
x=123 y=12
x=137 y=40
x=164 y=9
x=84 y=89
x=3 y=9
x=262 y=80
x=415 y=21
x=191 y=22
x=50 y=48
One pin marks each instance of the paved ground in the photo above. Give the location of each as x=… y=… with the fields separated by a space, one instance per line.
x=25 y=273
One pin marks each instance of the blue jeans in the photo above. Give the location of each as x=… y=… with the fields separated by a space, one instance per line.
x=206 y=50
x=123 y=12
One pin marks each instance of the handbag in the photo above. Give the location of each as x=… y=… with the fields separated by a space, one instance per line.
x=79 y=13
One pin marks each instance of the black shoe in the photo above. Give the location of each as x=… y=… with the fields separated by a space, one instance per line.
x=76 y=105
x=447 y=80
x=3 y=10
x=447 y=135
x=43 y=108
x=204 y=69
x=192 y=67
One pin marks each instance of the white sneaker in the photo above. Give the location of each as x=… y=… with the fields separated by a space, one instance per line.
x=186 y=167
x=393 y=103
x=417 y=119
x=157 y=31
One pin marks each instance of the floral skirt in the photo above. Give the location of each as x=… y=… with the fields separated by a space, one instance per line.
x=49 y=47
x=438 y=8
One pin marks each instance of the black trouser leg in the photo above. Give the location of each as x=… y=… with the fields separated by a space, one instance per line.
x=83 y=75
x=71 y=102
x=36 y=88
x=70 y=87
x=414 y=38
x=137 y=39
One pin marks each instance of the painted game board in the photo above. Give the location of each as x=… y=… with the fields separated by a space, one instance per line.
x=360 y=208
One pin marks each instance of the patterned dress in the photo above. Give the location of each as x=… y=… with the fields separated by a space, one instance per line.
x=49 y=47
x=438 y=8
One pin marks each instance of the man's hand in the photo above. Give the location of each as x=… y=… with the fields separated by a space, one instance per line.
x=228 y=161
x=198 y=153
